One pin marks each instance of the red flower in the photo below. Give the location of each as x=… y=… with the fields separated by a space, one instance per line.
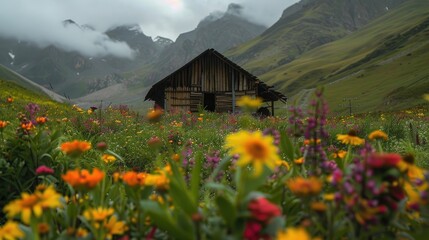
x=383 y=160
x=252 y=231
x=44 y=170
x=263 y=210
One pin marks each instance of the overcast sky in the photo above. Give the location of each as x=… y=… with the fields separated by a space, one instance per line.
x=40 y=21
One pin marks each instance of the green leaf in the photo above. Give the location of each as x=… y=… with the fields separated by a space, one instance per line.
x=196 y=176
x=163 y=219
x=286 y=146
x=226 y=209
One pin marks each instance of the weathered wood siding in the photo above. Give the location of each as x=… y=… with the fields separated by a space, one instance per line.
x=207 y=74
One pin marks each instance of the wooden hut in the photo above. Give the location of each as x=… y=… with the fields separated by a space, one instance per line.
x=213 y=82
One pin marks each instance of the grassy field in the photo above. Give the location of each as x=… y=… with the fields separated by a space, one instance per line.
x=112 y=172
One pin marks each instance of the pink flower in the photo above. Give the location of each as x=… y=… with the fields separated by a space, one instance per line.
x=44 y=170
x=263 y=210
x=383 y=160
x=252 y=231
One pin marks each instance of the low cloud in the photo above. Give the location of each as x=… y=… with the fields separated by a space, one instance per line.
x=40 y=22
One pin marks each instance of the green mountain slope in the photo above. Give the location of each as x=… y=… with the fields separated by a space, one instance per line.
x=9 y=76
x=383 y=65
x=305 y=26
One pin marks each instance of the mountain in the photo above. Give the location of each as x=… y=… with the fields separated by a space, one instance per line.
x=305 y=26
x=72 y=74
x=382 y=65
x=219 y=30
x=7 y=76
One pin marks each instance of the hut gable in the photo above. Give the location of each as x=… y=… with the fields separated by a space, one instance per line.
x=211 y=81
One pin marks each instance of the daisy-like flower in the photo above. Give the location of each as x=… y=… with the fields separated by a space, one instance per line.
x=75 y=148
x=134 y=178
x=378 y=134
x=98 y=214
x=293 y=234
x=83 y=178
x=11 y=231
x=305 y=186
x=107 y=158
x=33 y=204
x=254 y=149
x=249 y=103
x=350 y=138
x=114 y=227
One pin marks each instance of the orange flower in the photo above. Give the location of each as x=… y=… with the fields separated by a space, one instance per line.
x=305 y=187
x=27 y=126
x=311 y=141
x=299 y=161
x=9 y=100
x=75 y=148
x=318 y=206
x=41 y=120
x=154 y=115
x=339 y=154
x=134 y=178
x=3 y=124
x=83 y=178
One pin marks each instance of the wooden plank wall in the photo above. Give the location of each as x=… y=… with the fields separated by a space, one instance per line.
x=207 y=74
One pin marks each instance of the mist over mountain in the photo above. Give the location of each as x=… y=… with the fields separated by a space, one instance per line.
x=219 y=30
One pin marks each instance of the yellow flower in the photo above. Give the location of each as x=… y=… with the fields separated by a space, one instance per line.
x=426 y=96
x=11 y=231
x=98 y=214
x=329 y=196
x=305 y=187
x=114 y=227
x=249 y=103
x=253 y=148
x=378 y=134
x=33 y=204
x=350 y=138
x=285 y=165
x=293 y=234
x=107 y=158
x=158 y=181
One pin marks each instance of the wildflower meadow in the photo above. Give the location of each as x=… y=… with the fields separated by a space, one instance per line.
x=108 y=172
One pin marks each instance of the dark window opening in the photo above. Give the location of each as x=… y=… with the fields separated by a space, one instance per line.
x=210 y=102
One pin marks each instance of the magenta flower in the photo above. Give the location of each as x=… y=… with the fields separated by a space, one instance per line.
x=44 y=170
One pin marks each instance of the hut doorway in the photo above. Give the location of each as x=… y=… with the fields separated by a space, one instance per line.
x=209 y=102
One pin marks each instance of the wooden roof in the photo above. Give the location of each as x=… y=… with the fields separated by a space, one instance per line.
x=264 y=91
